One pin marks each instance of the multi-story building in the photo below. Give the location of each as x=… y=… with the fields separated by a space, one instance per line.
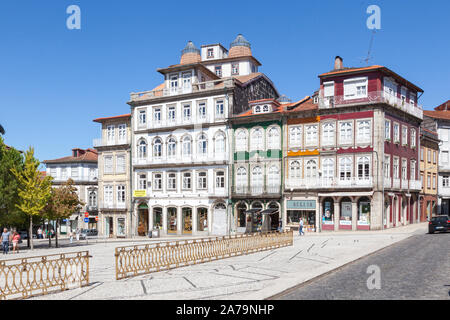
x=369 y=140
x=114 y=176
x=81 y=167
x=429 y=161
x=256 y=166
x=180 y=140
x=441 y=117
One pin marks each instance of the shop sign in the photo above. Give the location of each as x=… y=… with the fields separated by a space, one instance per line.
x=140 y=193
x=301 y=204
x=345 y=222
x=363 y=223
x=327 y=222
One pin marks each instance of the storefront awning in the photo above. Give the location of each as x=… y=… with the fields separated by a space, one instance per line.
x=270 y=211
x=253 y=211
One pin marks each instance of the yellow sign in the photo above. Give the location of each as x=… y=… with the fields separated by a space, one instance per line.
x=140 y=193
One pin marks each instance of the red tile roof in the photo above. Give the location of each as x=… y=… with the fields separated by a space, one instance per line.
x=100 y=120
x=88 y=155
x=437 y=114
x=443 y=107
x=304 y=104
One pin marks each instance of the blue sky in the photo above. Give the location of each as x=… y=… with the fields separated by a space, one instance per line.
x=55 y=81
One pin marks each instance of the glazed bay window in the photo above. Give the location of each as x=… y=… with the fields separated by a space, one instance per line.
x=220 y=109
x=122 y=128
x=172 y=181
x=396 y=132
x=202 y=111
x=387 y=130
x=346 y=132
x=187 y=180
x=241 y=140
x=345 y=168
x=142 y=181
x=404 y=135
x=295 y=170
x=202 y=180
x=355 y=88
x=273 y=141
x=364 y=131
x=311 y=134
x=328 y=134
x=171 y=114
x=64 y=173
x=110 y=134
x=328 y=169
x=363 y=168
x=108 y=194
x=220 y=179
x=241 y=180
x=173 y=84
x=257 y=139
x=311 y=170
x=108 y=164
x=187 y=112
x=295 y=136
x=157 y=181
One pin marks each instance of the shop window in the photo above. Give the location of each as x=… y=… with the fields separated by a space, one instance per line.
x=328 y=211
x=202 y=219
x=157 y=218
x=172 y=220
x=364 y=211
x=121 y=227
x=241 y=208
x=346 y=211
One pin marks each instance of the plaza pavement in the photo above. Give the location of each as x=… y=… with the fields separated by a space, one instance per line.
x=254 y=276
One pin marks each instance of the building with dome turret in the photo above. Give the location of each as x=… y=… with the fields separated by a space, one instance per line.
x=181 y=177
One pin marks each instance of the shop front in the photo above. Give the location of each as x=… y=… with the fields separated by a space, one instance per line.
x=345 y=219
x=363 y=222
x=143 y=219
x=301 y=209
x=328 y=214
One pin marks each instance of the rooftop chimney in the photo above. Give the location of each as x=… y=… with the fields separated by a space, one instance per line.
x=338 y=63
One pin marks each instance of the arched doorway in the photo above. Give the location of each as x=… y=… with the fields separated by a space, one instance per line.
x=241 y=207
x=202 y=219
x=219 y=226
x=172 y=220
x=142 y=219
x=275 y=221
x=328 y=214
x=345 y=218
x=186 y=214
x=364 y=213
x=157 y=218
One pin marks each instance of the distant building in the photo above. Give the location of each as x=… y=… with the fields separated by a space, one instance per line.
x=81 y=167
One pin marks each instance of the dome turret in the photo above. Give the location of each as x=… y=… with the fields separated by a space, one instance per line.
x=240 y=47
x=190 y=54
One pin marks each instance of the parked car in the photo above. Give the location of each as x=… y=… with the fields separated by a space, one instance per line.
x=88 y=233
x=439 y=223
x=24 y=235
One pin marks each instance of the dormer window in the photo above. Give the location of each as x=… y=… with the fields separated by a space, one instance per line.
x=258 y=109
x=210 y=53
x=235 y=68
x=266 y=108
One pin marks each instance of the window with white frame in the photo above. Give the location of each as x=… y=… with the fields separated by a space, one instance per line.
x=396 y=132
x=328 y=134
x=266 y=108
x=157 y=181
x=241 y=178
x=142 y=149
x=444 y=157
x=108 y=194
x=53 y=172
x=273 y=141
x=187 y=112
x=355 y=88
x=173 y=83
x=74 y=172
x=187 y=146
x=387 y=167
x=311 y=169
x=345 y=168
x=364 y=131
x=220 y=179
x=110 y=133
x=295 y=170
x=404 y=169
x=202 y=180
x=446 y=181
x=241 y=140
x=274 y=182
x=210 y=53
x=257 y=109
x=157 y=148
x=220 y=109
x=413 y=170
x=404 y=135
x=257 y=139
x=311 y=134
x=108 y=160
x=257 y=177
x=412 y=100
x=121 y=195
x=346 y=132
x=187 y=179
x=235 y=68
x=171 y=181
x=202 y=110
x=396 y=168
x=142 y=181
x=434 y=181
x=202 y=146
x=328 y=89
x=218 y=70
x=142 y=117
x=157 y=115
x=403 y=95
x=93 y=199
x=64 y=173
x=171 y=148
x=390 y=88
x=187 y=80
x=171 y=114
x=434 y=157
x=295 y=136
x=219 y=144
x=328 y=168
x=363 y=168
x=120 y=164
x=387 y=129
x=413 y=138
x=122 y=128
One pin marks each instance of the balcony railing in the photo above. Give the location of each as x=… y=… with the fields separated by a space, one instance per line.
x=256 y=190
x=195 y=87
x=328 y=183
x=104 y=142
x=402 y=184
x=113 y=205
x=197 y=158
x=396 y=184
x=372 y=98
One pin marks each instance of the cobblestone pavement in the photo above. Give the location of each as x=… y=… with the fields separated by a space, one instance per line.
x=416 y=268
x=254 y=276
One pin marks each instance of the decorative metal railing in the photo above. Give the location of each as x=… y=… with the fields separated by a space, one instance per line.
x=142 y=259
x=27 y=277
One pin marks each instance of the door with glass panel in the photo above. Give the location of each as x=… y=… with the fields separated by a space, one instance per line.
x=187 y=220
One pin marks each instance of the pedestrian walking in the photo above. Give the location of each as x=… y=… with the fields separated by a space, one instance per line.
x=6 y=238
x=39 y=233
x=78 y=234
x=15 y=241
x=71 y=237
x=300 y=229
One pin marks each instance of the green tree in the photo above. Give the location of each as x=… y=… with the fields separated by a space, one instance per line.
x=63 y=202
x=2 y=131
x=34 y=189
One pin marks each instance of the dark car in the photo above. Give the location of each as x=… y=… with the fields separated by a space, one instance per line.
x=88 y=233
x=439 y=224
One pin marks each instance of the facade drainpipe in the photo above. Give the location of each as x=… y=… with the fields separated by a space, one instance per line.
x=130 y=228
